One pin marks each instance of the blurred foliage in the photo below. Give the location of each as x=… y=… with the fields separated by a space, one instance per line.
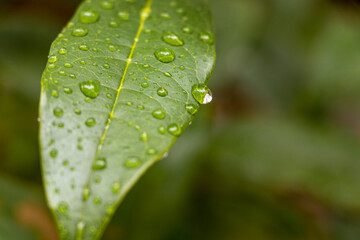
x=275 y=156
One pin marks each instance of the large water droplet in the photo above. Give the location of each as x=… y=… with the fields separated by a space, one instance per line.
x=158 y=114
x=88 y=16
x=201 y=93
x=165 y=55
x=162 y=92
x=63 y=51
x=132 y=162
x=174 y=129
x=79 y=32
x=206 y=37
x=58 y=112
x=172 y=39
x=99 y=164
x=53 y=59
x=90 y=122
x=107 y=5
x=90 y=88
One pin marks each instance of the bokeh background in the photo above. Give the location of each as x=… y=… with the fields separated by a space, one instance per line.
x=275 y=156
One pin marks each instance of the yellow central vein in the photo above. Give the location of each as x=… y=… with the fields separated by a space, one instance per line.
x=145 y=12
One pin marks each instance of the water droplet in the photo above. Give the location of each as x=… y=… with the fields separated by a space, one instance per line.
x=62 y=73
x=167 y=74
x=123 y=15
x=108 y=95
x=77 y=111
x=132 y=162
x=140 y=107
x=63 y=51
x=201 y=93
x=144 y=136
x=182 y=67
x=172 y=39
x=97 y=200
x=55 y=93
x=72 y=75
x=80 y=230
x=67 y=90
x=63 y=208
x=165 y=15
x=84 y=47
x=53 y=153
x=191 y=108
x=58 y=112
x=90 y=88
x=180 y=11
x=113 y=24
x=158 y=114
x=187 y=29
x=165 y=55
x=162 y=130
x=151 y=151
x=107 y=5
x=107 y=66
x=115 y=187
x=53 y=59
x=129 y=103
x=79 y=32
x=68 y=65
x=145 y=84
x=174 y=129
x=88 y=16
x=206 y=37
x=90 y=122
x=99 y=164
x=86 y=193
x=162 y=92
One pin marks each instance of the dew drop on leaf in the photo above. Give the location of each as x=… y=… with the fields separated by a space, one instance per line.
x=63 y=51
x=165 y=55
x=88 y=16
x=158 y=114
x=115 y=187
x=162 y=130
x=84 y=47
x=132 y=162
x=68 y=65
x=58 y=112
x=151 y=151
x=206 y=37
x=191 y=108
x=99 y=163
x=162 y=92
x=90 y=122
x=67 y=90
x=63 y=208
x=107 y=5
x=174 y=129
x=90 y=88
x=201 y=93
x=53 y=59
x=187 y=29
x=79 y=32
x=55 y=93
x=144 y=136
x=97 y=200
x=172 y=39
x=123 y=15
x=53 y=153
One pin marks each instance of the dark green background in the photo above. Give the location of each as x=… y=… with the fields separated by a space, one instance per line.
x=276 y=155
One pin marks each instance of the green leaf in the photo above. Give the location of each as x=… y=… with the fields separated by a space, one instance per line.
x=116 y=94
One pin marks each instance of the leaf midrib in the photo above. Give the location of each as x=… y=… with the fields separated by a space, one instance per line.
x=144 y=14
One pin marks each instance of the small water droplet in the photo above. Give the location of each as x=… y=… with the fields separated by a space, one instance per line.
x=67 y=90
x=145 y=84
x=80 y=230
x=132 y=162
x=180 y=11
x=162 y=130
x=158 y=114
x=88 y=16
x=79 y=32
x=97 y=200
x=77 y=111
x=144 y=136
x=167 y=74
x=68 y=65
x=165 y=15
x=113 y=24
x=182 y=67
x=106 y=65
x=99 y=164
x=90 y=88
x=86 y=193
x=84 y=47
x=58 y=112
x=172 y=39
x=55 y=93
x=63 y=51
x=151 y=151
x=165 y=55
x=162 y=92
x=90 y=122
x=108 y=95
x=63 y=208
x=112 y=48
x=174 y=129
x=115 y=187
x=206 y=37
x=187 y=29
x=191 y=108
x=53 y=153
x=53 y=59
x=107 y=5
x=201 y=93
x=123 y=15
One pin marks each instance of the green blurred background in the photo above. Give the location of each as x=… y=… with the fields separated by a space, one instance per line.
x=275 y=156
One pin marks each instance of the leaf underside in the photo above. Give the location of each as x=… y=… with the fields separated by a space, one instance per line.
x=110 y=108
